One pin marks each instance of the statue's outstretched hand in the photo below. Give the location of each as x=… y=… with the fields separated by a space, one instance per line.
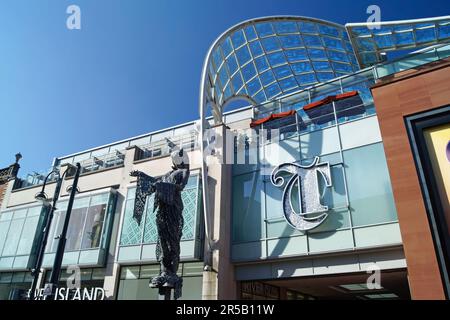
x=135 y=173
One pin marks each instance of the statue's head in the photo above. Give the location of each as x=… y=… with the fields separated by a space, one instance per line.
x=180 y=159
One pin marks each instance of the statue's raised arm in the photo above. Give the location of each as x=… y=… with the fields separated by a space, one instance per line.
x=144 y=188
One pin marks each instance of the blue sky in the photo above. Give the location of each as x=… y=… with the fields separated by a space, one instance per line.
x=134 y=66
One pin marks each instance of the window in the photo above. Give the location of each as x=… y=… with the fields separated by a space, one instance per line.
x=85 y=229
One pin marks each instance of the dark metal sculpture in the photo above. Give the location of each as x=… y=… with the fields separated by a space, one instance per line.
x=169 y=219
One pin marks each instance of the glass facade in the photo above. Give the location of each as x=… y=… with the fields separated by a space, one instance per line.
x=267 y=58
x=360 y=200
x=138 y=241
x=370 y=42
x=17 y=233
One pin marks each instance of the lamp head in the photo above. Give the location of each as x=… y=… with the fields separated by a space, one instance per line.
x=41 y=196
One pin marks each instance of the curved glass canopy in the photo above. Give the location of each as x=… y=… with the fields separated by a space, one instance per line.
x=265 y=58
x=370 y=40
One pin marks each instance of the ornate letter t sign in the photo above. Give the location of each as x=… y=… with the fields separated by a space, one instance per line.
x=312 y=212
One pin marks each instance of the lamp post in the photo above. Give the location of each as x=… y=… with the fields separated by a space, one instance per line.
x=41 y=196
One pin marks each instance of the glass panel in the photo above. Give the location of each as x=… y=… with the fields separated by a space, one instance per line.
x=256 y=48
x=317 y=54
x=227 y=47
x=129 y=272
x=296 y=55
x=253 y=86
x=232 y=64
x=306 y=78
x=20 y=214
x=333 y=43
x=342 y=67
x=5 y=216
x=243 y=55
x=261 y=64
x=286 y=27
x=238 y=38
x=384 y=41
x=273 y=90
x=338 y=56
x=404 y=38
x=425 y=35
x=26 y=240
x=4 y=226
x=250 y=33
x=12 y=240
x=371 y=201
x=301 y=67
x=264 y=29
x=276 y=58
x=444 y=30
x=288 y=83
x=247 y=208
x=93 y=229
x=131 y=230
x=34 y=211
x=324 y=76
x=322 y=66
x=270 y=44
x=312 y=41
x=281 y=72
x=267 y=77
x=75 y=229
x=307 y=27
x=237 y=81
x=248 y=71
x=329 y=30
x=290 y=41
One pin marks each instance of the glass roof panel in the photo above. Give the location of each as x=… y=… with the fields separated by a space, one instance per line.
x=270 y=44
x=312 y=41
x=302 y=67
x=237 y=81
x=306 y=78
x=288 y=83
x=254 y=86
x=227 y=47
x=425 y=35
x=276 y=58
x=261 y=64
x=282 y=72
x=267 y=77
x=232 y=64
x=270 y=56
x=322 y=66
x=238 y=38
x=255 y=48
x=296 y=55
x=396 y=35
x=384 y=41
x=329 y=30
x=404 y=38
x=333 y=43
x=248 y=71
x=273 y=90
x=260 y=97
x=264 y=29
x=286 y=27
x=317 y=54
x=243 y=55
x=250 y=33
x=307 y=27
x=290 y=41
x=444 y=30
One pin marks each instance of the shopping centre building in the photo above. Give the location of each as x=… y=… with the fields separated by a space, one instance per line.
x=337 y=171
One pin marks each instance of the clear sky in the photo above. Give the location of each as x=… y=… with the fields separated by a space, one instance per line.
x=134 y=66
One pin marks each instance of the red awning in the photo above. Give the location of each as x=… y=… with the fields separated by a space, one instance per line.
x=272 y=117
x=330 y=99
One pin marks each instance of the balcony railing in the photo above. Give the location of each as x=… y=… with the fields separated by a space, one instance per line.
x=109 y=160
x=163 y=147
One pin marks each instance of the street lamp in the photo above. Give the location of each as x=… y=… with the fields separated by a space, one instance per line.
x=42 y=196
